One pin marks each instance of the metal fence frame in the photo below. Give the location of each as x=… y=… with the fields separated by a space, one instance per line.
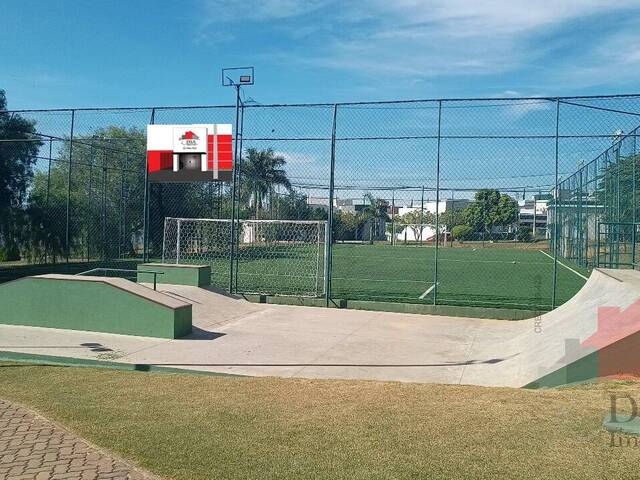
x=334 y=140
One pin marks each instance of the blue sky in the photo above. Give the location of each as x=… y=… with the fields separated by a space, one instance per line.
x=136 y=53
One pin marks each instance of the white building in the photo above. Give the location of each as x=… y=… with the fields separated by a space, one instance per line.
x=319 y=202
x=533 y=214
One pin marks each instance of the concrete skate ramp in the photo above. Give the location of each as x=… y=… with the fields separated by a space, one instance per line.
x=594 y=334
x=590 y=336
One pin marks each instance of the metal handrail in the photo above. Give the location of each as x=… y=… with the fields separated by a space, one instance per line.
x=152 y=272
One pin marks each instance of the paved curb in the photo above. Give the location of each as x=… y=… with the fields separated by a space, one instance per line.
x=37 y=359
x=34 y=447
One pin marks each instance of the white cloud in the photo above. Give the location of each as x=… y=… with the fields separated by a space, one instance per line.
x=613 y=61
x=296 y=158
x=401 y=40
x=259 y=10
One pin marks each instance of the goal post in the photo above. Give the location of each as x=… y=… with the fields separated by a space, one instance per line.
x=271 y=257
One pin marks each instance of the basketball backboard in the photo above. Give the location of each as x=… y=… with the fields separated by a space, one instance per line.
x=237 y=76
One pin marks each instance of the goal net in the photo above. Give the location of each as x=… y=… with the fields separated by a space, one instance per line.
x=271 y=257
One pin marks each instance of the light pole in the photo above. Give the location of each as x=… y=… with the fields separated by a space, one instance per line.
x=236 y=77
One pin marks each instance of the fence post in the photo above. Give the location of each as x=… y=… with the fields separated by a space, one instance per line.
x=67 y=236
x=122 y=219
x=47 y=244
x=178 y=242
x=435 y=270
x=234 y=189
x=104 y=205
x=329 y=250
x=239 y=180
x=319 y=255
x=164 y=238
x=393 y=217
x=633 y=198
x=421 y=215
x=555 y=211
x=326 y=256
x=580 y=253
x=145 y=220
x=90 y=197
x=633 y=246
x=633 y=181
x=598 y=245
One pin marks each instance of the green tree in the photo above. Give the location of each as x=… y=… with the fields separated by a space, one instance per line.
x=491 y=209
x=462 y=232
x=374 y=210
x=294 y=206
x=106 y=201
x=416 y=221
x=614 y=194
x=452 y=217
x=17 y=159
x=261 y=172
x=346 y=224
x=523 y=234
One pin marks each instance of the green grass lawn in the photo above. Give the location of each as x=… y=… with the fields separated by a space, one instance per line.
x=194 y=427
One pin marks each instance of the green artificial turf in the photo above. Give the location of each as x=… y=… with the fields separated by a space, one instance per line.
x=490 y=276
x=484 y=277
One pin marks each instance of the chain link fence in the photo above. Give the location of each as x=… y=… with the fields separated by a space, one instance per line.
x=597 y=217
x=504 y=202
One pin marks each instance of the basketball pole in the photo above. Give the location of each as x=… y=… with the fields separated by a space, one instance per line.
x=234 y=187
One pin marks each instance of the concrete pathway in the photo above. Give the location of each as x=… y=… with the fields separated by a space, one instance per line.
x=31 y=447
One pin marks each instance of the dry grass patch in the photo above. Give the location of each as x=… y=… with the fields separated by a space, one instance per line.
x=194 y=427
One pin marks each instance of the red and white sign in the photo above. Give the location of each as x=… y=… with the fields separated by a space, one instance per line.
x=188 y=153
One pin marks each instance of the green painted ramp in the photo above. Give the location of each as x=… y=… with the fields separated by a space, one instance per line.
x=96 y=304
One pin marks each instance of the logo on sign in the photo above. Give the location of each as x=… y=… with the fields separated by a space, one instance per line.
x=189 y=139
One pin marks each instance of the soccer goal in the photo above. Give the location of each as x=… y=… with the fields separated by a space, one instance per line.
x=271 y=257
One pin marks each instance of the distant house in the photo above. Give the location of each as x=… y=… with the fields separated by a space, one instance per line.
x=356 y=206
x=318 y=202
x=533 y=214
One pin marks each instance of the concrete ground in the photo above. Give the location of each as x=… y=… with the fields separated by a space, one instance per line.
x=235 y=336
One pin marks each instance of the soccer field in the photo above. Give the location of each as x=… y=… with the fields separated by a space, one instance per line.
x=484 y=276
x=493 y=277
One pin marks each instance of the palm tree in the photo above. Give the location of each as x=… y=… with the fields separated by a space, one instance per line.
x=261 y=171
x=373 y=211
